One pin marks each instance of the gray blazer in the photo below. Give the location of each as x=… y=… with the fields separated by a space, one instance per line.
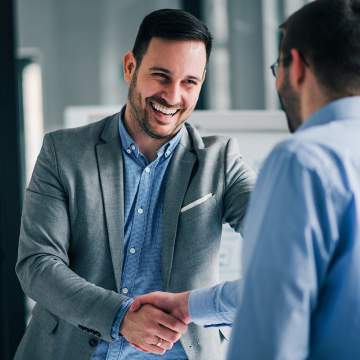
x=71 y=239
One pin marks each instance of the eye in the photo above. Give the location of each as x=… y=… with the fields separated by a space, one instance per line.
x=161 y=76
x=191 y=82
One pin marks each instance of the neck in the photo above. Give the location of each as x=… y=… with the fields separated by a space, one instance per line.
x=147 y=145
x=313 y=99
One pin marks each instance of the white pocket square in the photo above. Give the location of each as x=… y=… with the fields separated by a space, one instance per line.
x=196 y=202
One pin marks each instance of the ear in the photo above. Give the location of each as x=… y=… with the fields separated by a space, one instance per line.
x=129 y=66
x=297 y=69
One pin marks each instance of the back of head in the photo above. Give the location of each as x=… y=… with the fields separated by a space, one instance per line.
x=327 y=34
x=170 y=24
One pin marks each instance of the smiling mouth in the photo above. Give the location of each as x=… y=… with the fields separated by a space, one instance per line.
x=164 y=110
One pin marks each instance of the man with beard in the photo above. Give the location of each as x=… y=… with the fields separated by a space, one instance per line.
x=300 y=294
x=129 y=205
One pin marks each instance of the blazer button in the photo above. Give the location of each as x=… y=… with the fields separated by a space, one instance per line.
x=93 y=342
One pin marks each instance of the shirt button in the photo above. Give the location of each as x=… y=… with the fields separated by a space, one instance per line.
x=128 y=151
x=147 y=169
x=132 y=251
x=125 y=290
x=140 y=210
x=133 y=147
x=167 y=153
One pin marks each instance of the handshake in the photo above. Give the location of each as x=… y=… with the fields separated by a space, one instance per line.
x=155 y=321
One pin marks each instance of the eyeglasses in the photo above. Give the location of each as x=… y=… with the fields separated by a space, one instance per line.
x=275 y=66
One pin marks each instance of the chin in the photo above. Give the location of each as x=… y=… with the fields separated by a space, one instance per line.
x=156 y=134
x=162 y=131
x=164 y=134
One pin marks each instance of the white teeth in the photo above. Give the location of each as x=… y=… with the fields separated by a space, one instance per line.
x=164 y=109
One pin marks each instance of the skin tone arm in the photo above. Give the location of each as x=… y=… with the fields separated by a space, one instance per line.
x=150 y=329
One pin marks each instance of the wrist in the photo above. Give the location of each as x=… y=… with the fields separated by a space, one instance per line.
x=184 y=307
x=119 y=319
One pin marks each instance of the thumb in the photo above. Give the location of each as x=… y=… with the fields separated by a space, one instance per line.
x=142 y=300
x=136 y=305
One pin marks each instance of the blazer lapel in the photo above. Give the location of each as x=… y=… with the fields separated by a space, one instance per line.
x=178 y=177
x=110 y=163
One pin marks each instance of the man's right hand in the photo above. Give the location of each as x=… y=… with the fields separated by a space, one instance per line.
x=176 y=304
x=151 y=330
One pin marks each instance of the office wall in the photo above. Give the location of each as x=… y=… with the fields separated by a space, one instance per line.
x=80 y=45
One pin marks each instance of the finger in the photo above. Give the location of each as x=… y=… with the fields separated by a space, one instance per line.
x=166 y=334
x=172 y=323
x=138 y=347
x=139 y=301
x=166 y=345
x=136 y=305
x=153 y=349
x=159 y=342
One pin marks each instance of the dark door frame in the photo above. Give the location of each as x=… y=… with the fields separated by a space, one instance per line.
x=195 y=7
x=12 y=309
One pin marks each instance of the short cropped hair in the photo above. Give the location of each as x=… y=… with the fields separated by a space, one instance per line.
x=327 y=35
x=170 y=24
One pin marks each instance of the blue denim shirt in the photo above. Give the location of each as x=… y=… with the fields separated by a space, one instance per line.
x=144 y=184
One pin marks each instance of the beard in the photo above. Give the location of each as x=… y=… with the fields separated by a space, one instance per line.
x=141 y=115
x=290 y=103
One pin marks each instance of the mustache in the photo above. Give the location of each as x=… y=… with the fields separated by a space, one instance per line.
x=163 y=102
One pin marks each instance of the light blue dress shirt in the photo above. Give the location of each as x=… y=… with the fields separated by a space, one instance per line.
x=215 y=306
x=144 y=183
x=301 y=291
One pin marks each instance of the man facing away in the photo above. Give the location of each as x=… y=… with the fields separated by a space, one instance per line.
x=300 y=295
x=130 y=205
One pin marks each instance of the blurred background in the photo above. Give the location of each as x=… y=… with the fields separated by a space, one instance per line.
x=61 y=62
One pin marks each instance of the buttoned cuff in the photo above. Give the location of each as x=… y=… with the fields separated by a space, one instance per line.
x=115 y=330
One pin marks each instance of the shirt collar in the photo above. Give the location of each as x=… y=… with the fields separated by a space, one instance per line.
x=130 y=146
x=341 y=109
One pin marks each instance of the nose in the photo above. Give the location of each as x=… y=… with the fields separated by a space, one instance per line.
x=173 y=93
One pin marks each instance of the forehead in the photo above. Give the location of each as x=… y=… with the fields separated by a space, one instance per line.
x=177 y=56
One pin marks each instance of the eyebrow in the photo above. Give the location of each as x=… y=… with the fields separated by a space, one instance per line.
x=166 y=71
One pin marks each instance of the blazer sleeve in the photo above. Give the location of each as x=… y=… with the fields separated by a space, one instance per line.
x=239 y=183
x=43 y=261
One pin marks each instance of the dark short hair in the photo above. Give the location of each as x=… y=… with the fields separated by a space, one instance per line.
x=171 y=24
x=327 y=35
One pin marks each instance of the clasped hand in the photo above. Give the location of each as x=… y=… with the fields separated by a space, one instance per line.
x=156 y=321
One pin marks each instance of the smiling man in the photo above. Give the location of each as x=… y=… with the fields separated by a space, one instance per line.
x=163 y=90
x=129 y=205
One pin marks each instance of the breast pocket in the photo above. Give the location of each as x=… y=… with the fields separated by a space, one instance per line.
x=200 y=207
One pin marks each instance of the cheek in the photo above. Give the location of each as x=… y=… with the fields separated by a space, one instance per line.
x=277 y=84
x=191 y=99
x=148 y=89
